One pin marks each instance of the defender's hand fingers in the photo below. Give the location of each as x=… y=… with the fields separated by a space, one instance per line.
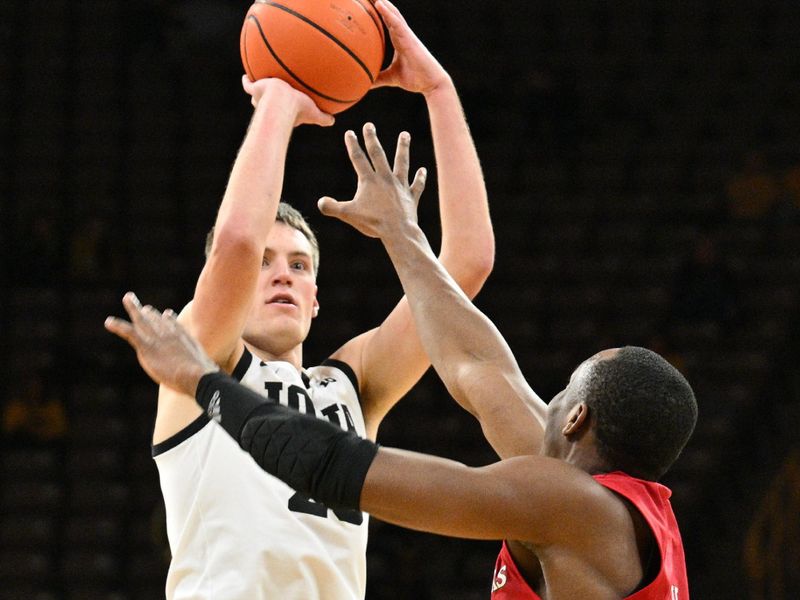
x=333 y=208
x=152 y=315
x=162 y=324
x=418 y=185
x=375 y=151
x=169 y=320
x=401 y=157
x=134 y=309
x=357 y=156
x=121 y=328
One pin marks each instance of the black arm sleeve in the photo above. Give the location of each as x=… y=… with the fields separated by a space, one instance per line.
x=313 y=456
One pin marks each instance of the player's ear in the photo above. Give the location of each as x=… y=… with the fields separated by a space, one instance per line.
x=315 y=307
x=577 y=419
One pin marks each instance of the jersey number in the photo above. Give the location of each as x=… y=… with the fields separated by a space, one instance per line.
x=303 y=504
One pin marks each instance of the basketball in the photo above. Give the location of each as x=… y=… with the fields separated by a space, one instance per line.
x=331 y=50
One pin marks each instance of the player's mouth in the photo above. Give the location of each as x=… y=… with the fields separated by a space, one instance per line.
x=282 y=300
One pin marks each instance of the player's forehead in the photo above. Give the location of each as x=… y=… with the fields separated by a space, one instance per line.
x=283 y=238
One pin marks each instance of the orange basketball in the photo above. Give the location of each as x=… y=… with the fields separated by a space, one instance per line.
x=330 y=49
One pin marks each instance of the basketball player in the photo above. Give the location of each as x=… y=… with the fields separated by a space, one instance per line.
x=575 y=497
x=234 y=531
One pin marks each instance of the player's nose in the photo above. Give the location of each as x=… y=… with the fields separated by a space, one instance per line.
x=281 y=273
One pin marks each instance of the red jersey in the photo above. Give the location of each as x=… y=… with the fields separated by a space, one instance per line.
x=652 y=500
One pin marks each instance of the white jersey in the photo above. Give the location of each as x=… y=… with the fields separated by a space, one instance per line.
x=237 y=533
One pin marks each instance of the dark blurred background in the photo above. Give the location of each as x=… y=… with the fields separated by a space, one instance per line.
x=643 y=168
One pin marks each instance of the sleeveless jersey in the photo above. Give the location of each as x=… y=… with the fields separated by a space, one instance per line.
x=652 y=500
x=237 y=533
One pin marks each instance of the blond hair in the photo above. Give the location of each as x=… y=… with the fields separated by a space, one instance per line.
x=288 y=215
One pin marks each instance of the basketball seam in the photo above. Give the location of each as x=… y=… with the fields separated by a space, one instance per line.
x=378 y=23
x=338 y=42
x=290 y=72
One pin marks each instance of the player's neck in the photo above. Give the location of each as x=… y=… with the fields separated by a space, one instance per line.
x=586 y=458
x=293 y=355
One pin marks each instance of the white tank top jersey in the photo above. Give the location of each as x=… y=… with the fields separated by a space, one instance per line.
x=237 y=533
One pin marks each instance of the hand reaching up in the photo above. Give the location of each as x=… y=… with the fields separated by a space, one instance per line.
x=413 y=67
x=384 y=200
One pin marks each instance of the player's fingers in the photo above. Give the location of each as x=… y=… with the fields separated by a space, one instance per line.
x=387 y=77
x=163 y=324
x=332 y=208
x=321 y=118
x=401 y=156
x=357 y=156
x=389 y=12
x=151 y=313
x=133 y=307
x=395 y=28
x=121 y=328
x=374 y=149
x=326 y=119
x=152 y=325
x=418 y=185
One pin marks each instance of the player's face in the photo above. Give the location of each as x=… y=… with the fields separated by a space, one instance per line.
x=286 y=297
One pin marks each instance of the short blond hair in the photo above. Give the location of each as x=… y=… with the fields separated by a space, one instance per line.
x=292 y=217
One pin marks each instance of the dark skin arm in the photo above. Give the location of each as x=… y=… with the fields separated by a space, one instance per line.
x=465 y=347
x=583 y=534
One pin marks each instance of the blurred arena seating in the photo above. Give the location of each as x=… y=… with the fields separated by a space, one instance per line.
x=609 y=134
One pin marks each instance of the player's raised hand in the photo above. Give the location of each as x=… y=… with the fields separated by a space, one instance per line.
x=166 y=352
x=276 y=92
x=413 y=67
x=384 y=200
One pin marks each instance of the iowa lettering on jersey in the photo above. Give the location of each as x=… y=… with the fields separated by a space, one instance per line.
x=293 y=396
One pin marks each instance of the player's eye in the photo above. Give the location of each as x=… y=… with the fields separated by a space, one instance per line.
x=299 y=265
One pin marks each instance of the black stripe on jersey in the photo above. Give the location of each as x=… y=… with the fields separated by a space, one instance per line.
x=347 y=370
x=241 y=367
x=180 y=437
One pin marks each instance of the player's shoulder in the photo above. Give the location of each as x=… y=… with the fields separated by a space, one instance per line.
x=351 y=353
x=331 y=371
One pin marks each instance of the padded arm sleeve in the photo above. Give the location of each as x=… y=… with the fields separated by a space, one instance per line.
x=312 y=456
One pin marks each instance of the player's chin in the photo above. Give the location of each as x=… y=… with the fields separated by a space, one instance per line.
x=274 y=338
x=287 y=327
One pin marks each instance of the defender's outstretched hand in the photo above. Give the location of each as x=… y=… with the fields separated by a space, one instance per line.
x=384 y=200
x=413 y=67
x=166 y=352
